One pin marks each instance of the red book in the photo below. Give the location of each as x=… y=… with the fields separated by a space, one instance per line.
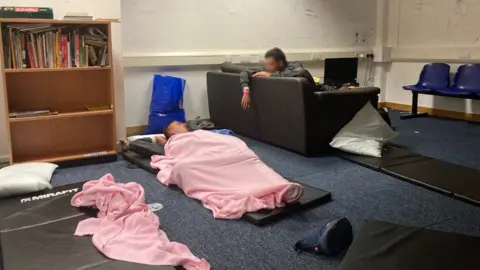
x=31 y=56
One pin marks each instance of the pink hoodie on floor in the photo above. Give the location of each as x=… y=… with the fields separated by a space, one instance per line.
x=126 y=229
x=223 y=173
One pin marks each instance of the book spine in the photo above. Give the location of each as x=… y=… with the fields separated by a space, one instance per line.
x=31 y=56
x=12 y=48
x=85 y=55
x=69 y=49
x=77 y=49
x=34 y=50
x=59 y=50
x=15 y=47
x=24 y=51
x=92 y=55
x=71 y=39
x=52 y=43
x=39 y=52
x=66 y=51
x=44 y=49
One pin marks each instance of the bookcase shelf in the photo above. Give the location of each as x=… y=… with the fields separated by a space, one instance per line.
x=60 y=115
x=66 y=156
x=72 y=132
x=21 y=70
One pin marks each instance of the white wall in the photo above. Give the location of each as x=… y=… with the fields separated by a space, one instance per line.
x=421 y=26
x=97 y=8
x=172 y=26
x=233 y=27
x=138 y=89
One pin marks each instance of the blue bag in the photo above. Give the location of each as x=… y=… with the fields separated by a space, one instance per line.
x=166 y=104
x=330 y=237
x=167 y=94
x=158 y=121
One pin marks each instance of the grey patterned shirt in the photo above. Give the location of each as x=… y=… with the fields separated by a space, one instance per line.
x=293 y=69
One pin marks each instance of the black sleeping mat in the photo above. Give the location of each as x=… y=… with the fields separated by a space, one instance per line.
x=391 y=156
x=386 y=246
x=448 y=178
x=36 y=232
x=311 y=197
x=452 y=179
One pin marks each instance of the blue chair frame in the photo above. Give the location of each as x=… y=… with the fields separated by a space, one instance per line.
x=434 y=80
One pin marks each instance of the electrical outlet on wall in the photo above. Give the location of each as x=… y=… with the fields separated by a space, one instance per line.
x=464 y=55
x=316 y=56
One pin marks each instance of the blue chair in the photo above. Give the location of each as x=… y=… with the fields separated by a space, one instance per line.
x=434 y=76
x=466 y=83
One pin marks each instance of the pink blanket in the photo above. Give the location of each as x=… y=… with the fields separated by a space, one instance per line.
x=126 y=229
x=223 y=173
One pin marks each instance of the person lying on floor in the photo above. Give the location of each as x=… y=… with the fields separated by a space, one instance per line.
x=220 y=171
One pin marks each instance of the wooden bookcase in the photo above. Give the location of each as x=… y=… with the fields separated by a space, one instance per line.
x=73 y=133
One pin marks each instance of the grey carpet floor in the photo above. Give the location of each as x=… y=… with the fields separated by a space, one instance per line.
x=359 y=194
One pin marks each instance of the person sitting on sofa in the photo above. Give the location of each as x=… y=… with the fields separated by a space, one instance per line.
x=276 y=65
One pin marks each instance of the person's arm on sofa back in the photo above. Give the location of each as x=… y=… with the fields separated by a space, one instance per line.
x=245 y=78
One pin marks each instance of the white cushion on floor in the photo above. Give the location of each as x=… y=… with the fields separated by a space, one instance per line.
x=365 y=134
x=25 y=178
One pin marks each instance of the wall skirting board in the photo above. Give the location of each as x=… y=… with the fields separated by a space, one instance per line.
x=434 y=112
x=4 y=159
x=135 y=130
x=201 y=58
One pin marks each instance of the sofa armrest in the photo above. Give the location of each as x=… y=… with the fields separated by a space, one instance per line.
x=331 y=111
x=224 y=103
x=280 y=107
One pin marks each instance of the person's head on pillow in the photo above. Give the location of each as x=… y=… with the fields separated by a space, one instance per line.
x=174 y=128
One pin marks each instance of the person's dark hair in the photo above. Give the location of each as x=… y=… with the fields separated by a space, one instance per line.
x=166 y=130
x=277 y=54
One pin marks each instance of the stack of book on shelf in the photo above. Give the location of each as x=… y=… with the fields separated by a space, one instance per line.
x=30 y=113
x=53 y=46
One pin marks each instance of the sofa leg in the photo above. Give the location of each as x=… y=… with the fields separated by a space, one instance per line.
x=414 y=112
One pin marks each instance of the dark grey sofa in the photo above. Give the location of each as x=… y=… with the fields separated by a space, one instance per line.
x=286 y=112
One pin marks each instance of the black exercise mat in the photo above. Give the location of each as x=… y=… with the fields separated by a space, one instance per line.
x=311 y=197
x=385 y=246
x=36 y=232
x=391 y=156
x=138 y=160
x=458 y=181
x=146 y=148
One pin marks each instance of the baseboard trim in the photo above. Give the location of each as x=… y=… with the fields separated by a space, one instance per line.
x=433 y=111
x=135 y=130
x=4 y=158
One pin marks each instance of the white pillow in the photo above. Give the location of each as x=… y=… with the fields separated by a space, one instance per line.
x=136 y=137
x=365 y=134
x=25 y=178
